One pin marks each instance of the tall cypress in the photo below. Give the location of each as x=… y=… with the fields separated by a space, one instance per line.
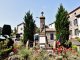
x=62 y=24
x=28 y=27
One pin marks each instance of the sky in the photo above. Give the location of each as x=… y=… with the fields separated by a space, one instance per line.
x=12 y=12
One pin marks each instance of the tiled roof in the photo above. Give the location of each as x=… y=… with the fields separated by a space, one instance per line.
x=73 y=11
x=20 y=24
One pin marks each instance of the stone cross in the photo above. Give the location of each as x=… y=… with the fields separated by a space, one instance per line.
x=42 y=13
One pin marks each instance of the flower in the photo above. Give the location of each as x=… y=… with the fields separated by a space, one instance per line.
x=70 y=48
x=58 y=43
x=16 y=54
x=74 y=52
x=39 y=52
x=35 y=49
x=6 y=54
x=14 y=49
x=77 y=54
x=54 y=49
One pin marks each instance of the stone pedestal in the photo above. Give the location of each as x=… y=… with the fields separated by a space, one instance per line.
x=42 y=36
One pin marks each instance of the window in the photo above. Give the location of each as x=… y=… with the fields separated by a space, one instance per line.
x=70 y=23
x=76 y=32
x=75 y=13
x=75 y=21
x=21 y=28
x=70 y=32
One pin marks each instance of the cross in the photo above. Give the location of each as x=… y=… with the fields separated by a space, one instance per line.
x=42 y=13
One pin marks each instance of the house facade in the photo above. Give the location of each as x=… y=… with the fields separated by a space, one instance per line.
x=50 y=32
x=74 y=23
x=21 y=28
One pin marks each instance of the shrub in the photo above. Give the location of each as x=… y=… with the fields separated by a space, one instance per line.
x=77 y=38
x=74 y=47
x=12 y=34
x=24 y=52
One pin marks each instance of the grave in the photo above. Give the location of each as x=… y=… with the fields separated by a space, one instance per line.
x=42 y=36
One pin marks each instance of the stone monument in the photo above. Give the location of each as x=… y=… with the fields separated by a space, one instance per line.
x=42 y=35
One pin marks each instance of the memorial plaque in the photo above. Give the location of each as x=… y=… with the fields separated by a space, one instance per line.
x=42 y=40
x=43 y=46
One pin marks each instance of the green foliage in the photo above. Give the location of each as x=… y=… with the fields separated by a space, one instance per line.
x=12 y=34
x=68 y=43
x=74 y=47
x=19 y=45
x=15 y=30
x=6 y=30
x=24 y=52
x=76 y=37
x=46 y=26
x=38 y=30
x=29 y=27
x=79 y=39
x=62 y=25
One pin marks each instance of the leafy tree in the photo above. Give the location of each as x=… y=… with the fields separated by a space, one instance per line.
x=15 y=30
x=62 y=24
x=38 y=30
x=46 y=26
x=29 y=26
x=6 y=30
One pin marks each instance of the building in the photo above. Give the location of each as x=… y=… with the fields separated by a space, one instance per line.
x=74 y=23
x=50 y=32
x=0 y=30
x=21 y=28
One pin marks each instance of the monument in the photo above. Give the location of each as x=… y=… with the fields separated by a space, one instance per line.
x=42 y=35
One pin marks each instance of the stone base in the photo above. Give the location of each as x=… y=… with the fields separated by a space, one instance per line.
x=43 y=42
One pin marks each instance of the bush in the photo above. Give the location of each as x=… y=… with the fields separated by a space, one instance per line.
x=74 y=47
x=77 y=38
x=12 y=34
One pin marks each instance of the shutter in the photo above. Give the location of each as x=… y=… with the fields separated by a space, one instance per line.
x=74 y=22
x=75 y=31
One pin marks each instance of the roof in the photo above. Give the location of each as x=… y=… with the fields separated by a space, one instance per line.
x=20 y=24
x=50 y=29
x=52 y=23
x=73 y=11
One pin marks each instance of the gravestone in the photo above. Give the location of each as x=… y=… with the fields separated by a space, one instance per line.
x=27 y=45
x=42 y=35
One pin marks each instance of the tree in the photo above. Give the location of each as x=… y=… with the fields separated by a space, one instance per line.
x=6 y=30
x=62 y=24
x=46 y=26
x=29 y=26
x=15 y=30
x=38 y=30
x=11 y=31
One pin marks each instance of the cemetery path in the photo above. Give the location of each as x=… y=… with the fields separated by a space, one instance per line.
x=75 y=42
